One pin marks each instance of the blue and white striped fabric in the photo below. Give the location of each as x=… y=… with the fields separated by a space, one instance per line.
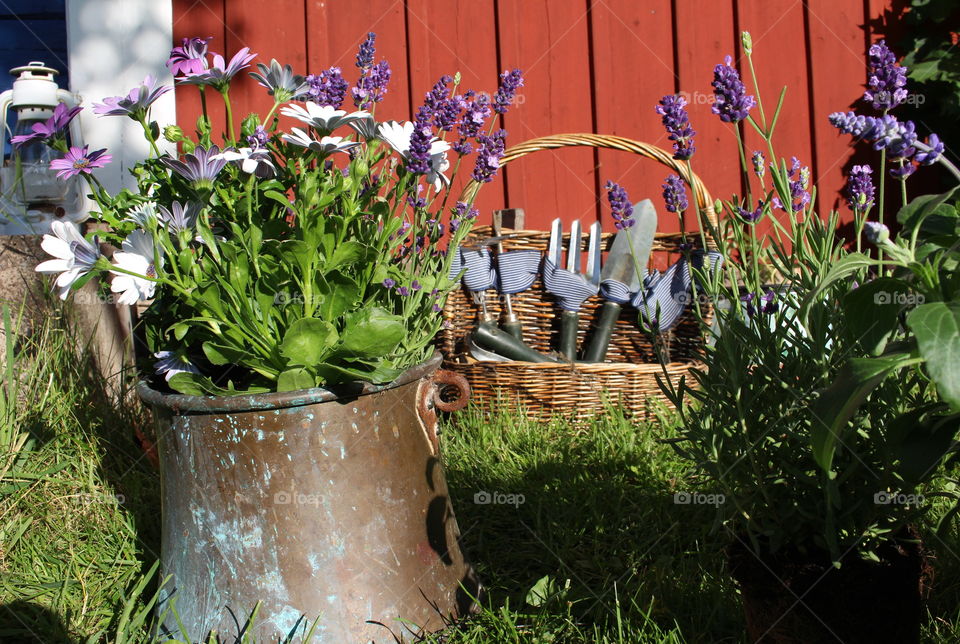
x=571 y=289
x=615 y=291
x=665 y=296
x=517 y=270
x=456 y=264
x=480 y=274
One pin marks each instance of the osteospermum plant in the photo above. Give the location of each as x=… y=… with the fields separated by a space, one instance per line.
x=278 y=259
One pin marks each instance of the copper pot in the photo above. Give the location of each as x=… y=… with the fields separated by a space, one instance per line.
x=316 y=504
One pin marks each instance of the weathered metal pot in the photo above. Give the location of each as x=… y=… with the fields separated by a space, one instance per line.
x=316 y=504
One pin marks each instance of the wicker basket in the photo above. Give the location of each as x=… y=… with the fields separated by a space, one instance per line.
x=574 y=391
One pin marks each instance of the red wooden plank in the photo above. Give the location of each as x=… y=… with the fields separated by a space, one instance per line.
x=776 y=30
x=278 y=33
x=335 y=31
x=201 y=19
x=447 y=38
x=836 y=44
x=705 y=34
x=625 y=32
x=549 y=42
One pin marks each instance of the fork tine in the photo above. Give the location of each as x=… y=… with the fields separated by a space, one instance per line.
x=554 y=250
x=573 y=248
x=593 y=254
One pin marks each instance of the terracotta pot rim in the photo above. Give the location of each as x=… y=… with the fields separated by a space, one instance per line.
x=178 y=403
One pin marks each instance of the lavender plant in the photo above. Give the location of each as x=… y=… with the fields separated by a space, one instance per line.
x=793 y=416
x=280 y=260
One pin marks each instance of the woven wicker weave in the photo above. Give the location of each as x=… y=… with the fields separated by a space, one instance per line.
x=574 y=391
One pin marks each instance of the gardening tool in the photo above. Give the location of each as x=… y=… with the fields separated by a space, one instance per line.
x=478 y=277
x=569 y=286
x=512 y=276
x=622 y=275
x=482 y=355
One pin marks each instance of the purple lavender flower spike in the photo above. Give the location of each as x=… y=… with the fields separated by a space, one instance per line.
x=675 y=194
x=259 y=138
x=798 y=182
x=904 y=170
x=673 y=109
x=931 y=156
x=732 y=104
x=860 y=191
x=418 y=155
x=751 y=216
x=329 y=88
x=366 y=52
x=462 y=212
x=885 y=86
x=389 y=283
x=488 y=156
x=190 y=57
x=372 y=86
x=446 y=109
x=476 y=112
x=759 y=168
x=620 y=205
x=510 y=81
x=135 y=104
x=57 y=123
x=199 y=167
x=851 y=123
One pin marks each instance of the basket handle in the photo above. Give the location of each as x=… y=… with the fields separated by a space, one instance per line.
x=613 y=142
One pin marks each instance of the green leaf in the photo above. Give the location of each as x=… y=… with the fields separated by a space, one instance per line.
x=308 y=341
x=372 y=332
x=337 y=294
x=346 y=253
x=277 y=196
x=913 y=214
x=837 y=404
x=296 y=378
x=221 y=354
x=847 y=267
x=925 y=447
x=936 y=326
x=872 y=311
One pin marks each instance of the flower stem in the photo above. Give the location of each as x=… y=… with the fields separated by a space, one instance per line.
x=226 y=102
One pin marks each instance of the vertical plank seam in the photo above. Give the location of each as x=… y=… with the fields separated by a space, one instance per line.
x=306 y=36
x=591 y=63
x=406 y=48
x=811 y=103
x=676 y=47
x=499 y=47
x=737 y=61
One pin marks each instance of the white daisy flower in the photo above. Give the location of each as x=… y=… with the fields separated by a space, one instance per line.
x=326 y=145
x=252 y=161
x=75 y=256
x=325 y=118
x=137 y=257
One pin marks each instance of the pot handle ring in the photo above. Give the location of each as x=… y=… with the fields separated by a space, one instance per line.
x=429 y=401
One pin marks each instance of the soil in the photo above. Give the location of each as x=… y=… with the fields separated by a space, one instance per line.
x=801 y=598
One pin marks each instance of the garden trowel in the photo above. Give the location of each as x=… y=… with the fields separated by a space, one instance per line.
x=625 y=266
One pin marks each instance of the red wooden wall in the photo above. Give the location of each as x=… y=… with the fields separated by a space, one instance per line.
x=590 y=66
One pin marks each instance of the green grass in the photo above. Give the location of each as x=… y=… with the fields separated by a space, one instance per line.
x=597 y=552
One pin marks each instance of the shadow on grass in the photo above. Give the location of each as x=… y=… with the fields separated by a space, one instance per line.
x=27 y=623
x=594 y=506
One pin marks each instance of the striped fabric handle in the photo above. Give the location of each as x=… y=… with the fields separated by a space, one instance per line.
x=665 y=296
x=570 y=288
x=517 y=270
x=480 y=274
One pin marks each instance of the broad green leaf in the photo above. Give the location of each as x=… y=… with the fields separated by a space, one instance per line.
x=308 y=341
x=372 y=332
x=916 y=211
x=336 y=295
x=837 y=404
x=278 y=197
x=542 y=592
x=346 y=253
x=936 y=326
x=872 y=309
x=296 y=378
x=925 y=447
x=222 y=354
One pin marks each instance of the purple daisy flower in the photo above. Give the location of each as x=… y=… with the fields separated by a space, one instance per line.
x=885 y=86
x=190 y=57
x=53 y=126
x=135 y=104
x=78 y=160
x=198 y=167
x=673 y=109
x=732 y=104
x=675 y=194
x=221 y=73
